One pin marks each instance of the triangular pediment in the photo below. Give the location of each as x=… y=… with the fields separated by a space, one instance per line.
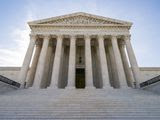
x=80 y=19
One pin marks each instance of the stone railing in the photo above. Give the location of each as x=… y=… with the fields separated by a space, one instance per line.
x=149 y=82
x=9 y=81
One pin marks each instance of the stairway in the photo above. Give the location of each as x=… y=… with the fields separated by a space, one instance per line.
x=100 y=104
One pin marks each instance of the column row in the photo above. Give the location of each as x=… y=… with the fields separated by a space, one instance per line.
x=38 y=69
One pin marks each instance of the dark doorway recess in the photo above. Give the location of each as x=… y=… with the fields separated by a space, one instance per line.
x=80 y=78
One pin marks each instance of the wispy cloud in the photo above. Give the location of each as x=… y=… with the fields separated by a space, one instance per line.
x=14 y=55
x=144 y=31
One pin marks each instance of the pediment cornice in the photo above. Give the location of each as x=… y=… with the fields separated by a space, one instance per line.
x=79 y=19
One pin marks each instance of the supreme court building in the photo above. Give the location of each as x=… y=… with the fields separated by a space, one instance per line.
x=79 y=50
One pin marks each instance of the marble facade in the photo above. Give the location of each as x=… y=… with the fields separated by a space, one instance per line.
x=80 y=50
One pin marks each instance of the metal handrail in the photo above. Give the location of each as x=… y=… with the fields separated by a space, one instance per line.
x=149 y=82
x=9 y=81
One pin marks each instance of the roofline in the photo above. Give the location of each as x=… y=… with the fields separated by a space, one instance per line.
x=74 y=25
x=79 y=13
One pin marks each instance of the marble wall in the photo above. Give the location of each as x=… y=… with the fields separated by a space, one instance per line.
x=10 y=72
x=146 y=72
x=149 y=72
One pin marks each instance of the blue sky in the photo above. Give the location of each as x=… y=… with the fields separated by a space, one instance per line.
x=145 y=15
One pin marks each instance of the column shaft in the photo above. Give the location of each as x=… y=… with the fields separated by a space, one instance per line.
x=26 y=62
x=72 y=64
x=120 y=69
x=133 y=61
x=88 y=63
x=113 y=67
x=127 y=70
x=56 y=64
x=47 y=65
x=51 y=67
x=103 y=63
x=109 y=66
x=32 y=70
x=41 y=63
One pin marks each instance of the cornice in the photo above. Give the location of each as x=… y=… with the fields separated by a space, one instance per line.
x=78 y=18
x=78 y=26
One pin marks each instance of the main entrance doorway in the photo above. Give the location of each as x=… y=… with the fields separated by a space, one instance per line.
x=80 y=78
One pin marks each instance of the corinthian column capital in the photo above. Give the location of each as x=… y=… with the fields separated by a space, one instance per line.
x=100 y=36
x=33 y=36
x=127 y=37
x=87 y=36
x=47 y=36
x=72 y=36
x=113 y=37
x=38 y=42
x=59 y=36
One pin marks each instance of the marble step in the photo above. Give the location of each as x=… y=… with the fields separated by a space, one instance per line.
x=89 y=107
x=73 y=104
x=81 y=111
x=80 y=117
x=8 y=104
x=79 y=103
x=84 y=109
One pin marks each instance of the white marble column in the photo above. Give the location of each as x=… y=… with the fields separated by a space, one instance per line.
x=119 y=65
x=72 y=63
x=133 y=61
x=88 y=63
x=57 y=62
x=127 y=70
x=103 y=63
x=113 y=67
x=27 y=60
x=109 y=64
x=51 y=66
x=32 y=70
x=41 y=63
x=47 y=65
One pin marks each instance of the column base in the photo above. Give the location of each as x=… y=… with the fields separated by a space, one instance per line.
x=52 y=87
x=90 y=88
x=107 y=87
x=137 y=86
x=125 y=87
x=70 y=88
x=22 y=87
x=34 y=87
